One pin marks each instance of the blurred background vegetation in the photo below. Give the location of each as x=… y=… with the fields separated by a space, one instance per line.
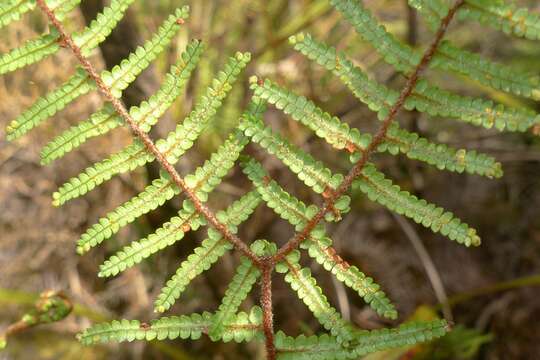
x=492 y=290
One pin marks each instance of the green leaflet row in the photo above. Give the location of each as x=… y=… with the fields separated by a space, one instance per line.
x=243 y=327
x=13 y=10
x=173 y=146
x=211 y=249
x=202 y=182
x=378 y=188
x=341 y=136
x=318 y=243
x=35 y=50
x=312 y=172
x=79 y=84
x=326 y=347
x=425 y=98
x=145 y=115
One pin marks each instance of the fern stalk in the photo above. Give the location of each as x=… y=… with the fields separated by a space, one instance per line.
x=377 y=140
x=143 y=136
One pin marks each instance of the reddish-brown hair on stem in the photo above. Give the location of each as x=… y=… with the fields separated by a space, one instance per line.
x=379 y=137
x=266 y=264
x=146 y=140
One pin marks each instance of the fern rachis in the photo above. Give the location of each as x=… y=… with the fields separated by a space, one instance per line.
x=258 y=260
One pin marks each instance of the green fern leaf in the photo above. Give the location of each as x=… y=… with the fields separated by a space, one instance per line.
x=374 y=184
x=240 y=286
x=242 y=328
x=298 y=214
x=406 y=334
x=79 y=84
x=326 y=347
x=504 y=16
x=211 y=249
x=323 y=347
x=101 y=27
x=12 y=10
x=312 y=172
x=202 y=182
x=425 y=98
x=311 y=294
x=339 y=135
x=146 y=115
x=37 y=49
x=174 y=146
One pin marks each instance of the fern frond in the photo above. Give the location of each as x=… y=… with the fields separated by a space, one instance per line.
x=328 y=348
x=201 y=182
x=323 y=347
x=79 y=84
x=145 y=115
x=486 y=72
x=76 y=86
x=101 y=27
x=318 y=246
x=301 y=281
x=425 y=98
x=173 y=146
x=35 y=50
x=406 y=334
x=211 y=249
x=120 y=76
x=380 y=189
x=243 y=327
x=312 y=172
x=31 y=52
x=351 y=276
x=239 y=288
x=340 y=135
x=503 y=16
x=12 y=10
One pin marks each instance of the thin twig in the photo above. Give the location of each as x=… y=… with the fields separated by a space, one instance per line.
x=146 y=140
x=429 y=266
x=379 y=137
x=266 y=304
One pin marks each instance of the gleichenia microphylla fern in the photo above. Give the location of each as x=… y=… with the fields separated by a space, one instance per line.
x=343 y=340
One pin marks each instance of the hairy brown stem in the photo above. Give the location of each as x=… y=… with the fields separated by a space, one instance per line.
x=266 y=304
x=146 y=140
x=377 y=139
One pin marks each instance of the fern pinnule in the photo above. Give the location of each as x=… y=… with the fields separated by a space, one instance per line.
x=201 y=182
x=301 y=280
x=378 y=188
x=319 y=247
x=12 y=10
x=210 y=250
x=239 y=288
x=341 y=136
x=243 y=327
x=312 y=172
x=173 y=146
x=117 y=79
x=146 y=114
